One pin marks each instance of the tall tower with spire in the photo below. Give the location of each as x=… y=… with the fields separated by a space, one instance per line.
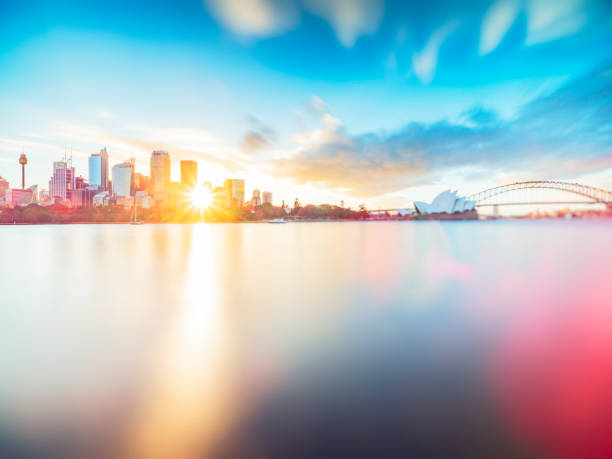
x=23 y=160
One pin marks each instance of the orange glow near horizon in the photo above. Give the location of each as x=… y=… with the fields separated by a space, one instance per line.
x=201 y=198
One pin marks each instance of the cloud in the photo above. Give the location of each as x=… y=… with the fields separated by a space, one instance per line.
x=254 y=17
x=497 y=21
x=425 y=61
x=317 y=105
x=104 y=114
x=259 y=137
x=253 y=142
x=479 y=116
x=261 y=18
x=546 y=20
x=563 y=135
x=140 y=140
x=330 y=158
x=349 y=18
x=552 y=19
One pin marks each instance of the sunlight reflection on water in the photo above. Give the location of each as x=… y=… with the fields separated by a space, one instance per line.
x=323 y=339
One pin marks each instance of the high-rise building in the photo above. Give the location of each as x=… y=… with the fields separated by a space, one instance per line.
x=80 y=182
x=160 y=173
x=62 y=182
x=235 y=188
x=141 y=182
x=267 y=197
x=98 y=170
x=4 y=185
x=256 y=198
x=189 y=173
x=123 y=174
x=83 y=197
x=221 y=197
x=82 y=194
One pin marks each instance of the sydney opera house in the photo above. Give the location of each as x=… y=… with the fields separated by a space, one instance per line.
x=446 y=202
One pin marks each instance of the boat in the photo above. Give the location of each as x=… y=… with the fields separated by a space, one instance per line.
x=134 y=221
x=277 y=220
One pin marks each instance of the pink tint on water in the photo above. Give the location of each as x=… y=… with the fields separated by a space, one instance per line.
x=552 y=373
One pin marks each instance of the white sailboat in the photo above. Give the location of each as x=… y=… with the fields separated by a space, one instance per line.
x=134 y=220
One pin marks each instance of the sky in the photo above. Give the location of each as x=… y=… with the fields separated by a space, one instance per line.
x=364 y=101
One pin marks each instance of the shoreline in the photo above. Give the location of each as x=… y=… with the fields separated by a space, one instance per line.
x=485 y=219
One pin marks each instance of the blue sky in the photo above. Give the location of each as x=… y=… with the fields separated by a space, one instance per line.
x=368 y=101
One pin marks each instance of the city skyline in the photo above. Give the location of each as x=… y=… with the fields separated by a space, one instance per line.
x=306 y=228
x=121 y=187
x=361 y=104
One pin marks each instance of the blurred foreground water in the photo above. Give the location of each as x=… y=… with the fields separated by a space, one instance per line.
x=378 y=339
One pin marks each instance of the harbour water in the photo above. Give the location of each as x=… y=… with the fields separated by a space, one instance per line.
x=378 y=339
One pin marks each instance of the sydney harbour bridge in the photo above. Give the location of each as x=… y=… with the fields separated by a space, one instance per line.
x=536 y=192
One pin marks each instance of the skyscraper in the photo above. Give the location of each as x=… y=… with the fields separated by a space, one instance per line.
x=4 y=185
x=63 y=181
x=235 y=188
x=98 y=169
x=256 y=198
x=189 y=173
x=160 y=173
x=141 y=182
x=122 y=179
x=82 y=194
x=267 y=197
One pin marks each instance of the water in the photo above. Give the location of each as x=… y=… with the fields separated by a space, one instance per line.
x=462 y=339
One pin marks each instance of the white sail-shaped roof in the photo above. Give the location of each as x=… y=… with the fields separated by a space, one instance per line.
x=446 y=202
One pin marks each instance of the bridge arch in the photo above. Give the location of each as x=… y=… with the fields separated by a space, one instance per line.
x=595 y=195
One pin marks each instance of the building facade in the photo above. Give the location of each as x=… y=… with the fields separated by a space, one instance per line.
x=4 y=185
x=123 y=174
x=83 y=197
x=189 y=173
x=160 y=173
x=256 y=198
x=62 y=182
x=235 y=188
x=141 y=182
x=143 y=200
x=98 y=170
x=267 y=197
x=82 y=194
x=18 y=197
x=101 y=199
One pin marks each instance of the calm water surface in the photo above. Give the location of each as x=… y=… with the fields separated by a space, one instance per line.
x=379 y=339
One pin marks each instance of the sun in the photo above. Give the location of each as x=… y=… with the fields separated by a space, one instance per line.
x=201 y=197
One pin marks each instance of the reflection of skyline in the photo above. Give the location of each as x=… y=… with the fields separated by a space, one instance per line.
x=213 y=337
x=185 y=402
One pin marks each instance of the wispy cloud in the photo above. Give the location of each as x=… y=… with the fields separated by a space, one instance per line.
x=563 y=135
x=479 y=116
x=14 y=145
x=552 y=19
x=349 y=18
x=261 y=18
x=259 y=137
x=497 y=21
x=424 y=62
x=139 y=140
x=254 y=17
